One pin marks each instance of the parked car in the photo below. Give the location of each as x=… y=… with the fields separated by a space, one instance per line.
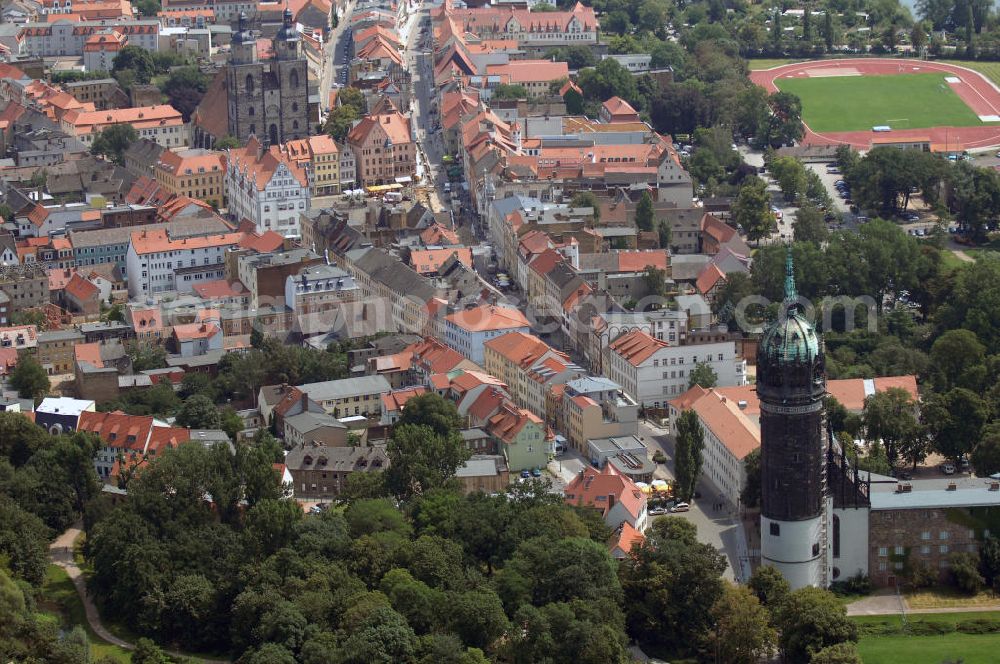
x=948 y=468
x=657 y=511
x=536 y=472
x=525 y=474
x=680 y=507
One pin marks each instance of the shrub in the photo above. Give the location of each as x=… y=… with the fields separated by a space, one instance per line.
x=931 y=628
x=859 y=584
x=659 y=457
x=978 y=626
x=881 y=628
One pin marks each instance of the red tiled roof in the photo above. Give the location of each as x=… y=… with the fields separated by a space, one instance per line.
x=119 y=430
x=396 y=400
x=488 y=317
x=636 y=346
x=80 y=289
x=591 y=484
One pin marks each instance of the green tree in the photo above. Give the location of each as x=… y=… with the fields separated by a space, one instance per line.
x=113 y=141
x=608 y=79
x=198 y=412
x=431 y=410
x=478 y=618
x=185 y=88
x=644 y=212
x=965 y=574
x=918 y=38
x=986 y=453
x=148 y=8
x=671 y=583
x=954 y=421
x=770 y=587
x=807 y=33
x=147 y=356
x=743 y=632
x=655 y=281
x=339 y=122
x=147 y=652
x=703 y=375
x=137 y=60
x=842 y=653
x=809 y=620
x=688 y=458
x=809 y=225
x=23 y=542
x=829 y=32
x=752 y=209
x=510 y=91
x=227 y=142
x=957 y=358
x=29 y=378
x=587 y=199
x=890 y=416
x=750 y=494
x=776 y=33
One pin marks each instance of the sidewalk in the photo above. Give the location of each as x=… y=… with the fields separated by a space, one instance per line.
x=887 y=603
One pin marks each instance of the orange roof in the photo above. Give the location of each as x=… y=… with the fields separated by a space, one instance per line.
x=709 y=278
x=638 y=261
x=850 y=392
x=434 y=357
x=627 y=537
x=80 y=289
x=592 y=488
x=8 y=360
x=143 y=117
x=163 y=438
x=108 y=41
x=59 y=277
x=219 y=288
x=396 y=400
x=191 y=162
x=508 y=423
x=262 y=164
x=394 y=125
x=89 y=354
x=429 y=261
x=159 y=241
x=529 y=71
x=617 y=106
x=263 y=243
x=522 y=349
x=436 y=234
x=129 y=432
x=727 y=422
x=192 y=331
x=636 y=346
x=146 y=319
x=717 y=229
x=545 y=261
x=488 y=318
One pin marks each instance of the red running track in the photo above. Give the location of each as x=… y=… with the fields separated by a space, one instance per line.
x=975 y=90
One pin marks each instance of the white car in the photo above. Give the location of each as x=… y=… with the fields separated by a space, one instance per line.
x=680 y=507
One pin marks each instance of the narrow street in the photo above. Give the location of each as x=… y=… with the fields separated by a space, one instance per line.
x=336 y=54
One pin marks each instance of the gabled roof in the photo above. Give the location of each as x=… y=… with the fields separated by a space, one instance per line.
x=488 y=318
x=81 y=289
x=194 y=331
x=636 y=346
x=507 y=424
x=709 y=278
x=592 y=487
x=625 y=538
x=724 y=418
x=396 y=400
x=119 y=430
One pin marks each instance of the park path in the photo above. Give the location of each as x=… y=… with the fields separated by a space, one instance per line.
x=962 y=256
x=61 y=554
x=889 y=603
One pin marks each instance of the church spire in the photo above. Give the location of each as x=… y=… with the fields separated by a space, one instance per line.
x=790 y=294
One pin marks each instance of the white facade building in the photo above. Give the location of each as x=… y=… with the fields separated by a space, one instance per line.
x=653 y=371
x=157 y=263
x=266 y=188
x=67 y=37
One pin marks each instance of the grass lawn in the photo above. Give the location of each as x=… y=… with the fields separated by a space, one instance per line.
x=858 y=103
x=990 y=70
x=908 y=649
x=769 y=63
x=944 y=597
x=61 y=601
x=950 y=261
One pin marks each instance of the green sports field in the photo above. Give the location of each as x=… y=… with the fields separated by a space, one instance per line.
x=858 y=103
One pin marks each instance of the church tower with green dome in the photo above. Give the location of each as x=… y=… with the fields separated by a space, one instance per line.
x=791 y=385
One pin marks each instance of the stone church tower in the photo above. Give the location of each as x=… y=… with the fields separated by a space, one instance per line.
x=268 y=99
x=795 y=508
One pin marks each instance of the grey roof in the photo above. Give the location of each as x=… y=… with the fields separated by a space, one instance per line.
x=929 y=494
x=616 y=231
x=356 y=458
x=695 y=303
x=591 y=384
x=473 y=434
x=687 y=267
x=385 y=269
x=347 y=387
x=309 y=421
x=134 y=380
x=180 y=228
x=97 y=81
x=59 y=335
x=99 y=326
x=481 y=465
x=206 y=360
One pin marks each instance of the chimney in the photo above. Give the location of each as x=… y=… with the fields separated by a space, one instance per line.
x=611 y=500
x=305 y=402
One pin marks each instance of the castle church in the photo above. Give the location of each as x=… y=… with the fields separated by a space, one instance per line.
x=268 y=98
